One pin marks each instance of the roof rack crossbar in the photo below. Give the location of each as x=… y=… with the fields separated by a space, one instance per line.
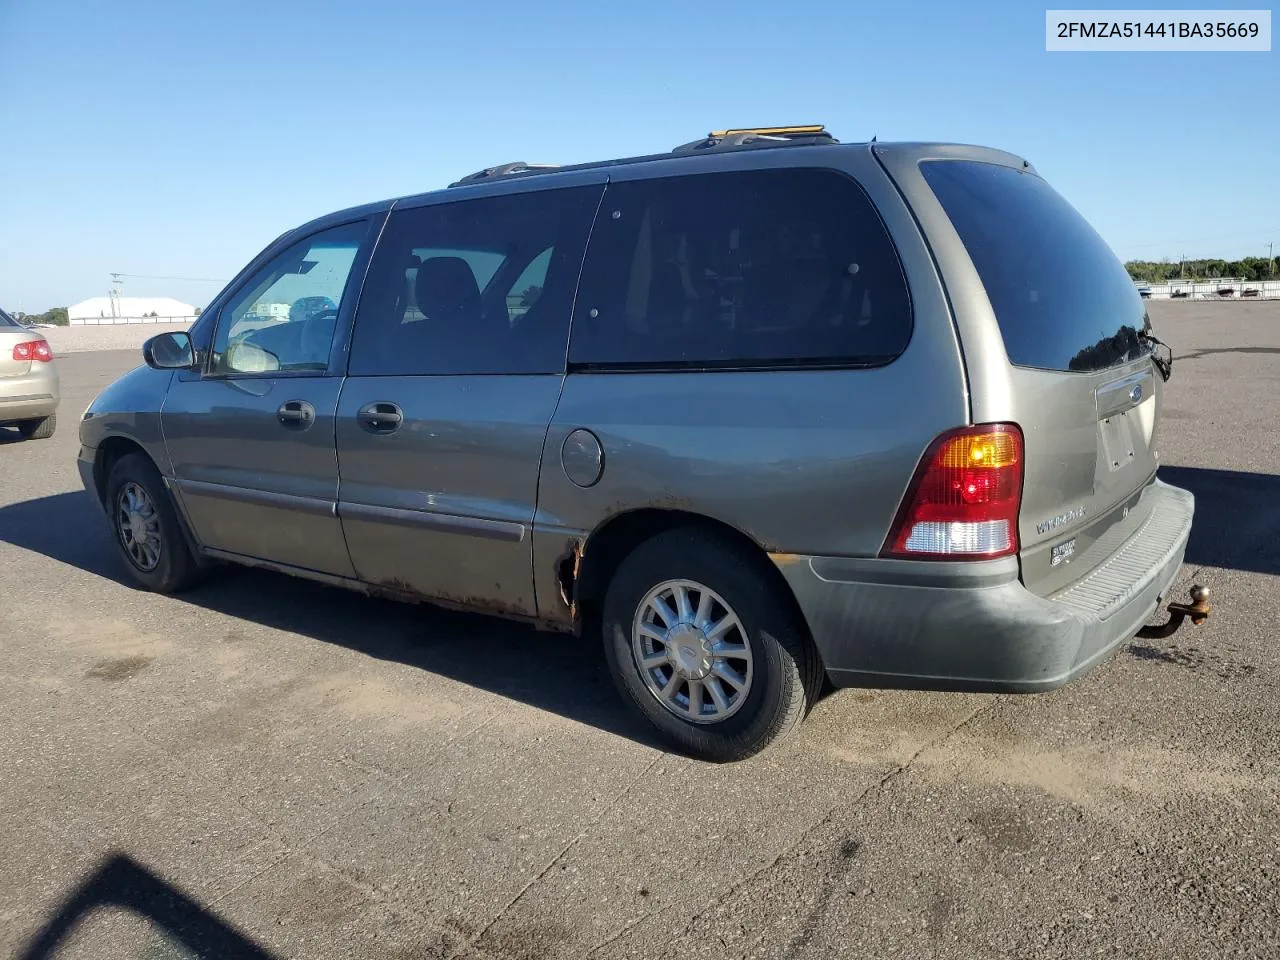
x=804 y=129
x=814 y=133
x=753 y=140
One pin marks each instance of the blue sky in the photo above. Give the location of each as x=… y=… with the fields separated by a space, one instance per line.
x=178 y=138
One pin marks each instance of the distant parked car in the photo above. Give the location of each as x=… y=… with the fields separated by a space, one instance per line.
x=28 y=381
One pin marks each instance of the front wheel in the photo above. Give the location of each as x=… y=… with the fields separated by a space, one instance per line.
x=704 y=646
x=145 y=524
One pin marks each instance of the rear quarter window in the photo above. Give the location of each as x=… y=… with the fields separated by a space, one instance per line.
x=760 y=268
x=1061 y=297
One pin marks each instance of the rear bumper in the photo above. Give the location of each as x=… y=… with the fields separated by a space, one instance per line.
x=975 y=626
x=29 y=397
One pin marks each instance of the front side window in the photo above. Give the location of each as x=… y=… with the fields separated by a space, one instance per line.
x=283 y=318
x=474 y=287
x=768 y=267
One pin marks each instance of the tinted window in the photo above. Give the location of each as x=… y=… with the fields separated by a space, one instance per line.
x=7 y=321
x=1062 y=299
x=283 y=318
x=740 y=269
x=476 y=286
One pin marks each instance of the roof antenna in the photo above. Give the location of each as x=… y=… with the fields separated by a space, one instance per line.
x=873 y=138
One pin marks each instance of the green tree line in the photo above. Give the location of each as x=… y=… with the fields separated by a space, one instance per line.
x=1250 y=268
x=54 y=315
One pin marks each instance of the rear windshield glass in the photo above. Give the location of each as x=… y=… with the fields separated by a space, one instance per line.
x=6 y=320
x=1062 y=298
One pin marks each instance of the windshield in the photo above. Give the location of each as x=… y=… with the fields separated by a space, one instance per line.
x=1062 y=298
x=8 y=321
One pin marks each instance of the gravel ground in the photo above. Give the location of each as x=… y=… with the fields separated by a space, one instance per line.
x=121 y=336
x=330 y=776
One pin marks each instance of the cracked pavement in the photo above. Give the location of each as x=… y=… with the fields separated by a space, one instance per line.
x=310 y=773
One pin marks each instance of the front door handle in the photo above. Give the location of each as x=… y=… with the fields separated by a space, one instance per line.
x=380 y=417
x=296 y=414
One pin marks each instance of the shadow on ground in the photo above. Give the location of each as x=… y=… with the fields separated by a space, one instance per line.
x=1237 y=518
x=555 y=672
x=189 y=929
x=1213 y=351
x=1236 y=527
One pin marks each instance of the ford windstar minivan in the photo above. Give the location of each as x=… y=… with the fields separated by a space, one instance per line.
x=763 y=412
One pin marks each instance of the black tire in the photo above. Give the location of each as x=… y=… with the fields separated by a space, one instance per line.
x=41 y=429
x=176 y=569
x=787 y=672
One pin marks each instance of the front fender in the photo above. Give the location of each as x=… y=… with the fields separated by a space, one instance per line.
x=129 y=408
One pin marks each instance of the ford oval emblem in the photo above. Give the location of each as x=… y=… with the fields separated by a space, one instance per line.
x=1135 y=392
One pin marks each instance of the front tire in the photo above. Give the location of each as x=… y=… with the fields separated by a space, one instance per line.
x=146 y=528
x=41 y=429
x=704 y=645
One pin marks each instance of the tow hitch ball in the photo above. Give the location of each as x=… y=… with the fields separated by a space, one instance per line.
x=1198 y=610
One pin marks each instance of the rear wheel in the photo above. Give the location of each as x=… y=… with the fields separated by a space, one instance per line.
x=146 y=527
x=41 y=429
x=703 y=646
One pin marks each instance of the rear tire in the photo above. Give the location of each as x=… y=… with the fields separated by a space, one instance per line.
x=764 y=671
x=41 y=429
x=146 y=528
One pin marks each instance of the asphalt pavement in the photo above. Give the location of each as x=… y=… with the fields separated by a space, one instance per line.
x=268 y=767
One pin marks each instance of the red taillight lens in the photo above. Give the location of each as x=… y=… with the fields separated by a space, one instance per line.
x=33 y=350
x=963 y=501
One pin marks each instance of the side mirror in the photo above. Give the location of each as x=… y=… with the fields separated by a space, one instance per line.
x=169 y=351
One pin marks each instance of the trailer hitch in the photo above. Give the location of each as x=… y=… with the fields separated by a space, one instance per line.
x=1198 y=610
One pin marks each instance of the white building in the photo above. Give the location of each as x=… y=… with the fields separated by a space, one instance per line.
x=112 y=309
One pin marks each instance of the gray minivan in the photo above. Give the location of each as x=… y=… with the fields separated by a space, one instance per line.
x=763 y=412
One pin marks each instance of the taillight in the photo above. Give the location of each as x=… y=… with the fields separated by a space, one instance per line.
x=963 y=500
x=37 y=350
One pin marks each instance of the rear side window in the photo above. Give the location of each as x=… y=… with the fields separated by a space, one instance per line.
x=1061 y=297
x=474 y=287
x=762 y=268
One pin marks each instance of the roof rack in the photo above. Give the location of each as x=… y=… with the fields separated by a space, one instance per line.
x=504 y=170
x=812 y=133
